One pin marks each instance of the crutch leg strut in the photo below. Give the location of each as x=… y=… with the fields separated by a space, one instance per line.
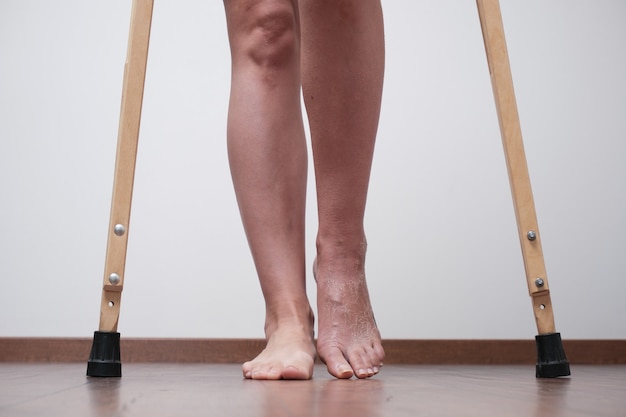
x=551 y=360
x=104 y=359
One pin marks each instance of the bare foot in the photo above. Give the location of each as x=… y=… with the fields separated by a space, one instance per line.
x=349 y=342
x=289 y=354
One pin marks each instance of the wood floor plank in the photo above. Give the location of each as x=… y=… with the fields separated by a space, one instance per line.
x=417 y=352
x=155 y=390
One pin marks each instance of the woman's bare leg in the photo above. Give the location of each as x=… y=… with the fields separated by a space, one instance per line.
x=342 y=74
x=268 y=159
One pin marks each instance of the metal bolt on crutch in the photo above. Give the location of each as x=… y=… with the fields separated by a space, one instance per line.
x=104 y=360
x=551 y=359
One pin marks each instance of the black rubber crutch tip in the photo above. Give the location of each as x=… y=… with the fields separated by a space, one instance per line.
x=551 y=360
x=104 y=359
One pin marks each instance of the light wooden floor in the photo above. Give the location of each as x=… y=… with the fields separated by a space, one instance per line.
x=188 y=390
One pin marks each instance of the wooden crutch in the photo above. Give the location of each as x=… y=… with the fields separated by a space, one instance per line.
x=551 y=360
x=104 y=359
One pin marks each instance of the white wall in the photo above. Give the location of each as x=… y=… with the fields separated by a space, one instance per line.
x=444 y=260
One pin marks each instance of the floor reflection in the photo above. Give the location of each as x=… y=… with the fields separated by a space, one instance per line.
x=552 y=396
x=104 y=396
x=324 y=398
x=354 y=397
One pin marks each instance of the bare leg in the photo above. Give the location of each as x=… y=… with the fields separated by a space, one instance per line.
x=342 y=73
x=268 y=159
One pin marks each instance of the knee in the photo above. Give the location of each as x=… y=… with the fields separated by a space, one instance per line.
x=266 y=34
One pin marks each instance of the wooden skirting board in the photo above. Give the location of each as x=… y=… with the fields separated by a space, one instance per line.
x=504 y=352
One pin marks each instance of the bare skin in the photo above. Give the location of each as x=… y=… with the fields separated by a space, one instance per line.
x=342 y=78
x=340 y=70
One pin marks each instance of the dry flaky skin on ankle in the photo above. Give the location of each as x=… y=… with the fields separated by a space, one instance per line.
x=349 y=341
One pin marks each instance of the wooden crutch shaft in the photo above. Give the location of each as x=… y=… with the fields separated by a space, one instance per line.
x=127 y=140
x=519 y=179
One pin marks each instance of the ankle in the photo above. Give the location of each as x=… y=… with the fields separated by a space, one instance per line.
x=299 y=316
x=340 y=254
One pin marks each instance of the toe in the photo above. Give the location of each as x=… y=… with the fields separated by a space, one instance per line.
x=365 y=362
x=266 y=373
x=378 y=354
x=337 y=364
x=246 y=369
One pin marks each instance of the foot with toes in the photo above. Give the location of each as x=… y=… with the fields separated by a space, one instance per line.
x=349 y=342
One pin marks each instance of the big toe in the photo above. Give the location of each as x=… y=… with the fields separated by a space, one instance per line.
x=296 y=372
x=337 y=364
